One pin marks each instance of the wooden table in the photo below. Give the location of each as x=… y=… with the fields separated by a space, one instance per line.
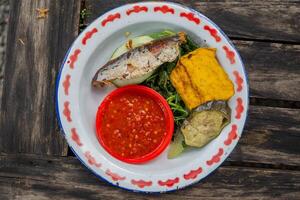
x=35 y=162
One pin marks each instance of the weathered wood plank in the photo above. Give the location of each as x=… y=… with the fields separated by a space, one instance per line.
x=271 y=136
x=4 y=13
x=25 y=177
x=265 y=20
x=35 y=50
x=273 y=68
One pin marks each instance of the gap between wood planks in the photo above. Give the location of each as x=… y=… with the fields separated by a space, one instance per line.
x=84 y=22
x=33 y=177
x=82 y=16
x=260 y=165
x=269 y=139
x=241 y=164
x=274 y=103
x=36 y=160
x=264 y=40
x=272 y=21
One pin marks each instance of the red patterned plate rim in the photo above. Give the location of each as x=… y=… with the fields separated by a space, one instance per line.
x=72 y=126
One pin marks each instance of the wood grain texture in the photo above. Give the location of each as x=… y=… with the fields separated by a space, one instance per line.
x=271 y=136
x=4 y=13
x=36 y=48
x=264 y=20
x=274 y=68
x=31 y=177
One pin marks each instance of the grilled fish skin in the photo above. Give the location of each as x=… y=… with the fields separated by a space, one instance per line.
x=140 y=60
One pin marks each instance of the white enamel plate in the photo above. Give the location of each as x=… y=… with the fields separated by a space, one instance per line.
x=77 y=101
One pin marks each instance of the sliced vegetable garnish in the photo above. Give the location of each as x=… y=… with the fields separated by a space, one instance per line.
x=135 y=42
x=161 y=34
x=177 y=146
x=203 y=125
x=137 y=63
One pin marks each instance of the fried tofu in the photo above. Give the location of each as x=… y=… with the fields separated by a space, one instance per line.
x=185 y=85
x=199 y=78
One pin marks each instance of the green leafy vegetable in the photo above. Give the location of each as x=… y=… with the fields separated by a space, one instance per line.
x=177 y=146
x=161 y=34
x=160 y=81
x=187 y=47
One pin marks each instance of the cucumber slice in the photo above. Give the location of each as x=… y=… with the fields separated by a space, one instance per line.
x=177 y=146
x=140 y=79
x=138 y=41
x=158 y=35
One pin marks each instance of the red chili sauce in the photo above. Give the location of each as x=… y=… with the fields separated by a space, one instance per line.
x=133 y=125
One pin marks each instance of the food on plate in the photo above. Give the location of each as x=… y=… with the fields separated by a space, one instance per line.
x=199 y=78
x=133 y=122
x=130 y=44
x=177 y=146
x=139 y=41
x=181 y=81
x=142 y=125
x=186 y=74
x=139 y=61
x=203 y=125
x=160 y=81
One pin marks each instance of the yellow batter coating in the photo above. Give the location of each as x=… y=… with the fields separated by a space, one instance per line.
x=199 y=78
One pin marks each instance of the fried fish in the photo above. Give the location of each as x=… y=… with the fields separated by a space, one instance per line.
x=140 y=60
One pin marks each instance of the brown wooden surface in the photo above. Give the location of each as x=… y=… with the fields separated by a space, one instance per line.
x=273 y=68
x=271 y=136
x=271 y=20
x=64 y=178
x=27 y=119
x=264 y=165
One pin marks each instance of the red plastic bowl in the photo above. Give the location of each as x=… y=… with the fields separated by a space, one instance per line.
x=167 y=114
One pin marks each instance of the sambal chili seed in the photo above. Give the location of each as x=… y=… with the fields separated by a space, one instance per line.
x=133 y=125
